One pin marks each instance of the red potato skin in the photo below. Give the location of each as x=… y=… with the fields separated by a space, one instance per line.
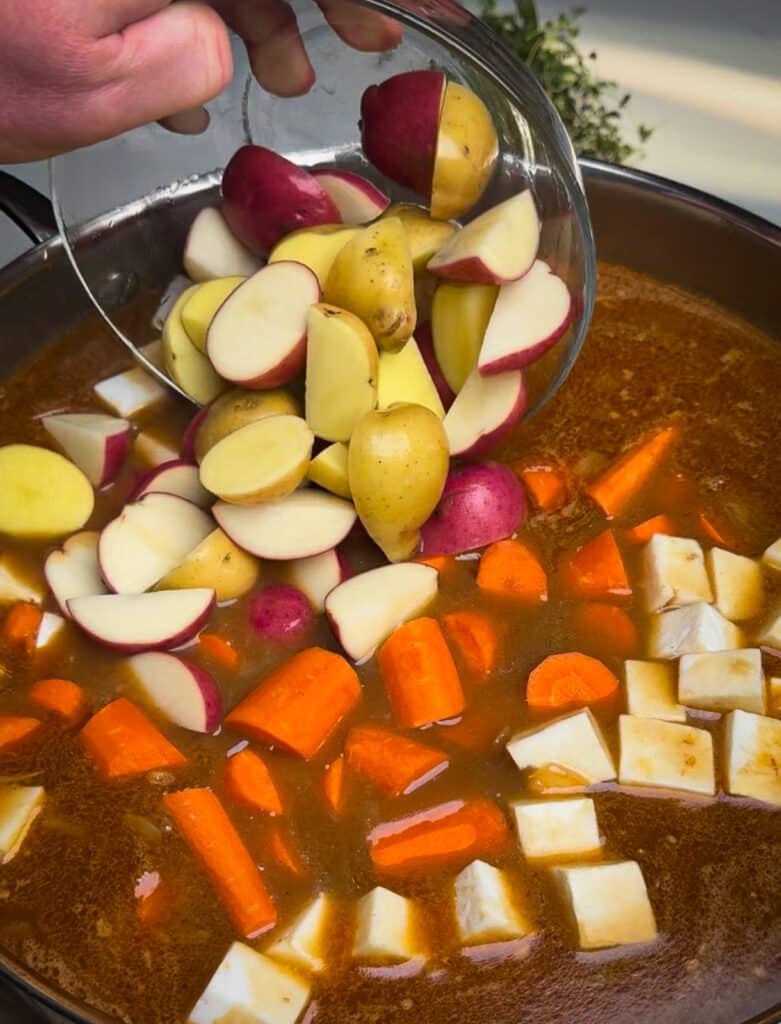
x=265 y=196
x=144 y=479
x=281 y=374
x=164 y=644
x=400 y=125
x=187 y=446
x=116 y=451
x=281 y=613
x=481 y=504
x=474 y=271
x=425 y=341
x=210 y=694
x=519 y=360
x=487 y=442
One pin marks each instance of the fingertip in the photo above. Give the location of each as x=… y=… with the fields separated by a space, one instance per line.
x=194 y=121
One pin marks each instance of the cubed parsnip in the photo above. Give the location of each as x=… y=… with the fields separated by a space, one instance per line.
x=557 y=828
x=459 y=318
x=674 y=573
x=184 y=363
x=250 y=988
x=770 y=634
x=19 y=807
x=723 y=681
x=50 y=629
x=341 y=372
x=404 y=377
x=329 y=470
x=386 y=927
x=153 y=450
x=665 y=755
x=235 y=409
x=204 y=301
x=608 y=903
x=302 y=943
x=485 y=909
x=466 y=152
x=753 y=756
x=737 y=584
x=262 y=461
x=15 y=583
x=651 y=691
x=574 y=742
x=691 y=630
x=774 y=696
x=130 y=393
x=426 y=234
x=771 y=558
x=316 y=247
x=42 y=494
x=217 y=564
x=372 y=277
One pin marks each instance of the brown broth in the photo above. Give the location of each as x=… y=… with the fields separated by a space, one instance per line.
x=713 y=866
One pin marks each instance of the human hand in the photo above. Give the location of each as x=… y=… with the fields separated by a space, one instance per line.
x=74 y=72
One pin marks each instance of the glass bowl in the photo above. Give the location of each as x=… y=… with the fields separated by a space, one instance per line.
x=146 y=186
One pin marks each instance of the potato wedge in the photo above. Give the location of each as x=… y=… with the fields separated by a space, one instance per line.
x=426 y=235
x=188 y=367
x=42 y=494
x=199 y=310
x=218 y=564
x=329 y=470
x=404 y=377
x=235 y=409
x=316 y=248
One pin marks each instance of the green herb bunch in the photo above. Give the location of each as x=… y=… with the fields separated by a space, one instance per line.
x=591 y=107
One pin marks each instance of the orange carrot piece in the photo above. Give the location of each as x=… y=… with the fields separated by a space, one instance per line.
x=674 y=490
x=21 y=624
x=218 y=650
x=210 y=834
x=510 y=568
x=122 y=741
x=439 y=562
x=14 y=730
x=623 y=481
x=284 y=852
x=475 y=638
x=569 y=680
x=62 y=697
x=547 y=486
x=420 y=676
x=155 y=900
x=717 y=532
x=445 y=836
x=248 y=781
x=595 y=570
x=643 y=532
x=392 y=763
x=335 y=785
x=604 y=627
x=301 y=703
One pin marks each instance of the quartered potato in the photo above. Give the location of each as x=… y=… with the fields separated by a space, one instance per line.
x=184 y=363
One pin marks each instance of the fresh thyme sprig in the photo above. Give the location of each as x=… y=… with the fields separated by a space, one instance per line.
x=591 y=107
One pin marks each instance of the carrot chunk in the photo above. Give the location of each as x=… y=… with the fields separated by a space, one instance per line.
x=335 y=785
x=547 y=486
x=475 y=639
x=569 y=680
x=284 y=852
x=210 y=834
x=14 y=730
x=604 y=627
x=445 y=836
x=643 y=532
x=717 y=532
x=392 y=763
x=21 y=625
x=62 y=697
x=301 y=703
x=122 y=741
x=420 y=676
x=595 y=570
x=218 y=650
x=248 y=781
x=510 y=568
x=624 y=480
x=439 y=562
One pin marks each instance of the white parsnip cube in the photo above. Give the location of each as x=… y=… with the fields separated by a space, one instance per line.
x=723 y=681
x=674 y=573
x=574 y=742
x=485 y=911
x=608 y=903
x=691 y=630
x=386 y=928
x=771 y=559
x=302 y=943
x=737 y=586
x=753 y=756
x=154 y=451
x=770 y=633
x=651 y=691
x=129 y=393
x=19 y=807
x=15 y=585
x=665 y=755
x=774 y=695
x=50 y=628
x=557 y=828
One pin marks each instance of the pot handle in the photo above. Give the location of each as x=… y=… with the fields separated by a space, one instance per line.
x=28 y=208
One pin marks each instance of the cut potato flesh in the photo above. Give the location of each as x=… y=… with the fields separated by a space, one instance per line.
x=302 y=944
x=262 y=461
x=403 y=377
x=131 y=623
x=557 y=828
x=73 y=571
x=235 y=409
x=188 y=367
x=460 y=314
x=50 y=628
x=723 y=681
x=771 y=558
x=574 y=742
x=770 y=633
x=148 y=539
x=674 y=573
x=179 y=478
x=386 y=927
x=217 y=564
x=19 y=807
x=691 y=630
x=131 y=392
x=212 y=250
x=182 y=692
x=737 y=584
x=306 y=522
x=608 y=903
x=96 y=443
x=250 y=988
x=329 y=470
x=42 y=494
x=316 y=248
x=651 y=691
x=665 y=755
x=485 y=911
x=753 y=756
x=484 y=412
x=317 y=576
x=198 y=311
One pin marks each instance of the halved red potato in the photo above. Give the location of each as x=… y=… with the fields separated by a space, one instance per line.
x=98 y=444
x=182 y=692
x=467 y=148
x=177 y=477
x=131 y=623
x=188 y=367
x=212 y=250
x=357 y=199
x=199 y=310
x=235 y=409
x=73 y=570
x=485 y=411
x=317 y=576
x=217 y=564
x=42 y=494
